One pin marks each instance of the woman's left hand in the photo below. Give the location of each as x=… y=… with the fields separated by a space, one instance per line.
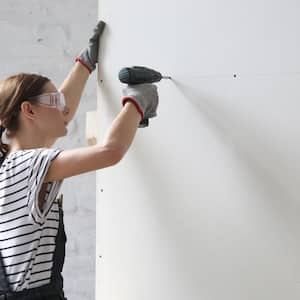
x=89 y=56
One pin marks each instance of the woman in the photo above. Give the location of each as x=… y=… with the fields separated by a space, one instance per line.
x=34 y=114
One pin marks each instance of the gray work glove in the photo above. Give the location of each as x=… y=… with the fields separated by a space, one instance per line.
x=145 y=98
x=89 y=56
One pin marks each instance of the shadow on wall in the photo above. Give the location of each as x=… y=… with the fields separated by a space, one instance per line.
x=259 y=157
x=268 y=168
x=265 y=163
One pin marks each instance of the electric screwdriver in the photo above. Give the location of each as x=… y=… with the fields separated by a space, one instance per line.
x=139 y=75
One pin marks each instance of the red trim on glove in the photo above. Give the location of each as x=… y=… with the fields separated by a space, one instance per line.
x=85 y=65
x=126 y=99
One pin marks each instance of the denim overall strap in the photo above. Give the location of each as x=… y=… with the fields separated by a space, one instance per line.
x=45 y=292
x=59 y=254
x=4 y=284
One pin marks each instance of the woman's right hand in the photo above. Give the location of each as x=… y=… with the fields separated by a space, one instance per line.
x=145 y=98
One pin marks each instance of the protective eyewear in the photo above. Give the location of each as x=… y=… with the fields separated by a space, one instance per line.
x=56 y=99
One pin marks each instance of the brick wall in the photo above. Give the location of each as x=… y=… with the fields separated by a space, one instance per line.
x=44 y=37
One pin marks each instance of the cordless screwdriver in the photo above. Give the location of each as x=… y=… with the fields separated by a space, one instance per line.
x=139 y=75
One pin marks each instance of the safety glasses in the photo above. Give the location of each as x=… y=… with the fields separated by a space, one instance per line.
x=55 y=99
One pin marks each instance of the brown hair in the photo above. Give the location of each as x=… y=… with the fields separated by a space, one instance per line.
x=13 y=91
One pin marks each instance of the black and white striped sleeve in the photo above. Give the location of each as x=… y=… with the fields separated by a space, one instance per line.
x=39 y=165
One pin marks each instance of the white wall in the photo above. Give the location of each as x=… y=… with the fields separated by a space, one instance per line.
x=44 y=37
x=206 y=203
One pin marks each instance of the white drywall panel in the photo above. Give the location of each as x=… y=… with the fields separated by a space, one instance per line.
x=205 y=204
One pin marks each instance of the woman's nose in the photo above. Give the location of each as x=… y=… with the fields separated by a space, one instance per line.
x=66 y=111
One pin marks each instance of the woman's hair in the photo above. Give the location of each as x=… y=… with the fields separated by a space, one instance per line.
x=13 y=91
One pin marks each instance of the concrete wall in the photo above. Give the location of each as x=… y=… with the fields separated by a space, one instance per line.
x=44 y=37
x=206 y=203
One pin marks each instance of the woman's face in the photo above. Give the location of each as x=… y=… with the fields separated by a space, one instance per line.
x=51 y=120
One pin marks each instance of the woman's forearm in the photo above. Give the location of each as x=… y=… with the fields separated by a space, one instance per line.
x=72 y=87
x=123 y=129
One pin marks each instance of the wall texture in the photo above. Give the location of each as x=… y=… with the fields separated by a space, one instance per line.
x=44 y=37
x=206 y=203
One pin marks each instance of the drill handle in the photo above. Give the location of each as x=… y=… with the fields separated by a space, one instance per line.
x=144 y=123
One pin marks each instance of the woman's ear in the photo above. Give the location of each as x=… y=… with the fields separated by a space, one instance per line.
x=28 y=109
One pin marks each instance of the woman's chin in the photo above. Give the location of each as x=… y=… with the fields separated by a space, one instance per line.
x=66 y=132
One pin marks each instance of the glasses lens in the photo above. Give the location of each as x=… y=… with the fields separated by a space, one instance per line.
x=60 y=101
x=56 y=99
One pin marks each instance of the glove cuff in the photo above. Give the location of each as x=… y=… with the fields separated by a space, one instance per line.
x=126 y=99
x=84 y=64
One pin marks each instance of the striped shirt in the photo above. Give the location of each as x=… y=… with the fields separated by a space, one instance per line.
x=27 y=233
